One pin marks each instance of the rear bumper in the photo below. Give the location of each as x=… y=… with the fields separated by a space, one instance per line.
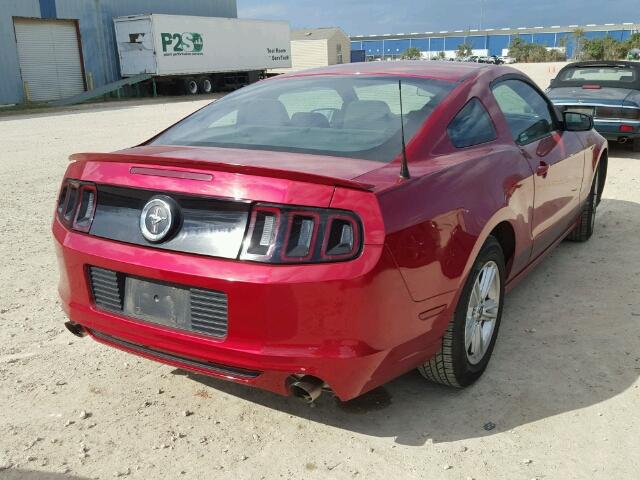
x=351 y=324
x=610 y=129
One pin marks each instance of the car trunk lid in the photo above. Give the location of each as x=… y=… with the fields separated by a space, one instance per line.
x=316 y=169
x=214 y=189
x=614 y=97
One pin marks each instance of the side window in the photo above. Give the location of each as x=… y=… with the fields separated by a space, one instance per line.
x=471 y=126
x=526 y=111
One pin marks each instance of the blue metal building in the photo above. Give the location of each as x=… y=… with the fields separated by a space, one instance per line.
x=484 y=42
x=31 y=28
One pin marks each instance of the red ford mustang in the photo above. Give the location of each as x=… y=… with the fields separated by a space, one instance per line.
x=330 y=229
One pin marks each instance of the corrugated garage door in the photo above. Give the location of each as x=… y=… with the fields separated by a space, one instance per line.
x=49 y=57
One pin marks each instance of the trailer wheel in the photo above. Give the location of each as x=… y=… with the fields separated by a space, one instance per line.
x=190 y=86
x=205 y=84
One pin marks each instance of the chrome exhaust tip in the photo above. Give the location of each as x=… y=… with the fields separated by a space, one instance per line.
x=76 y=329
x=307 y=388
x=623 y=139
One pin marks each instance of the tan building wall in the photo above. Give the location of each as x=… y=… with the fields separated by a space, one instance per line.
x=345 y=45
x=317 y=52
x=308 y=54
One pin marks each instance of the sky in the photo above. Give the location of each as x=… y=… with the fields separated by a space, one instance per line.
x=357 y=17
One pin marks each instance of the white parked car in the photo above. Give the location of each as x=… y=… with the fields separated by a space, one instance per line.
x=508 y=60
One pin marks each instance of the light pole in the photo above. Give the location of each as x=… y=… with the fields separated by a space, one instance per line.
x=481 y=14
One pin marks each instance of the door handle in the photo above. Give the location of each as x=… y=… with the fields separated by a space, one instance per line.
x=525 y=154
x=542 y=169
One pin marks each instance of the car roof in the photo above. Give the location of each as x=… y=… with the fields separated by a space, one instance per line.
x=436 y=70
x=558 y=82
x=604 y=63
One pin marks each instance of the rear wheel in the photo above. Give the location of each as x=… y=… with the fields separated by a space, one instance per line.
x=190 y=86
x=584 y=229
x=471 y=335
x=206 y=86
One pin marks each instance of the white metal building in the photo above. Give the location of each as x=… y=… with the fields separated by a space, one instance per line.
x=318 y=47
x=490 y=41
x=54 y=49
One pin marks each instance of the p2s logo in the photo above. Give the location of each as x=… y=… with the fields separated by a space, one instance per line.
x=187 y=43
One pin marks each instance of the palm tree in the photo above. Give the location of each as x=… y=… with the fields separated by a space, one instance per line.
x=578 y=35
x=411 y=53
x=464 y=50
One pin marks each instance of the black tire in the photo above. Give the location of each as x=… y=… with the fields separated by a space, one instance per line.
x=636 y=145
x=586 y=224
x=451 y=365
x=190 y=86
x=602 y=179
x=205 y=85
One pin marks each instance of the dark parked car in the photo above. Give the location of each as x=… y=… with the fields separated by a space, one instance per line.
x=607 y=90
x=328 y=229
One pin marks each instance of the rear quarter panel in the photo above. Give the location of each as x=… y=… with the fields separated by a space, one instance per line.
x=437 y=224
x=595 y=145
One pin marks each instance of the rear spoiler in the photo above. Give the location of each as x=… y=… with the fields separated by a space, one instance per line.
x=213 y=166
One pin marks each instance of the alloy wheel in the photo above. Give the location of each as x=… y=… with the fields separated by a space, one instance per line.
x=594 y=198
x=482 y=312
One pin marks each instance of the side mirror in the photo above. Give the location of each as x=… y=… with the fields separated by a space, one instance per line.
x=577 y=122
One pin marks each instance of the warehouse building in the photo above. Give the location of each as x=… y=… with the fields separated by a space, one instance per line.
x=489 y=41
x=58 y=48
x=317 y=47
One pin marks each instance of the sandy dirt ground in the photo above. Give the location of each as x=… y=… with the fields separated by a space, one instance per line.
x=541 y=73
x=562 y=389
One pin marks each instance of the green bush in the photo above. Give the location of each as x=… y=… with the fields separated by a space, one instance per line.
x=411 y=53
x=533 y=53
x=605 y=48
x=464 y=50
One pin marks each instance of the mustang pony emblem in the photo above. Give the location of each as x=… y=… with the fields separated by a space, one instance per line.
x=157 y=218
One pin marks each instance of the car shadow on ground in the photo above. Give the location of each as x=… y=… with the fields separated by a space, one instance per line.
x=570 y=339
x=16 y=474
x=623 y=150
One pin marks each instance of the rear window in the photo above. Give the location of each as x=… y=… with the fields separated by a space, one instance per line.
x=597 y=74
x=347 y=116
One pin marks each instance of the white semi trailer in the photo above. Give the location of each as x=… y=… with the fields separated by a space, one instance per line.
x=201 y=54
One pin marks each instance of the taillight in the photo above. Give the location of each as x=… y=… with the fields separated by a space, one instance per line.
x=260 y=241
x=282 y=234
x=341 y=238
x=62 y=197
x=77 y=204
x=71 y=203
x=618 y=113
x=86 y=207
x=630 y=113
x=607 y=112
